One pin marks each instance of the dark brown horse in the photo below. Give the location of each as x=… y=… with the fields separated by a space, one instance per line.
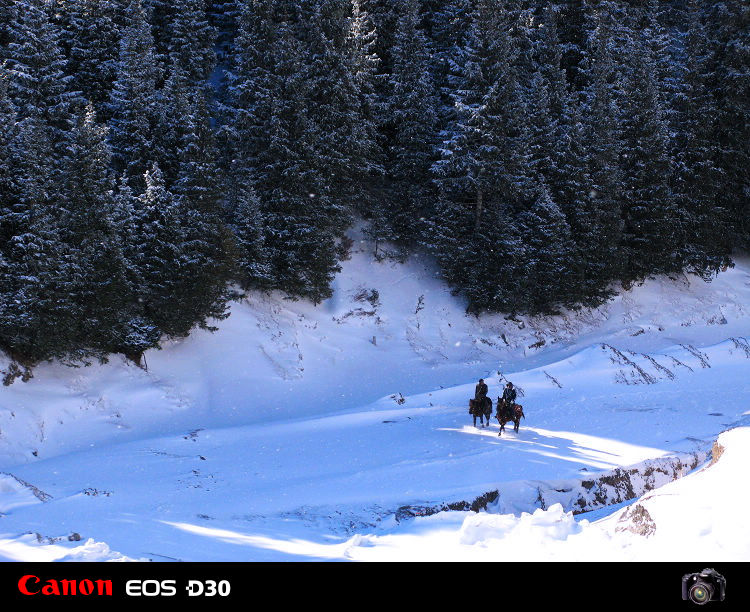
x=482 y=410
x=505 y=415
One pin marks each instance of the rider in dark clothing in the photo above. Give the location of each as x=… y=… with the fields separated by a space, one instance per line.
x=480 y=391
x=509 y=397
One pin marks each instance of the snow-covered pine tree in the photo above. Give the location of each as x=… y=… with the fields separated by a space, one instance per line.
x=574 y=16
x=246 y=220
x=160 y=15
x=39 y=320
x=11 y=180
x=705 y=227
x=447 y=24
x=362 y=38
x=549 y=250
x=384 y=16
x=345 y=144
x=246 y=112
x=411 y=128
x=156 y=253
x=101 y=292
x=550 y=102
x=484 y=174
x=40 y=267
x=729 y=26
x=593 y=198
x=8 y=16
x=364 y=66
x=492 y=271
x=187 y=90
x=192 y=42
x=278 y=130
x=136 y=105
x=250 y=84
x=223 y=16
x=38 y=82
x=207 y=242
x=91 y=39
x=136 y=332
x=649 y=241
x=11 y=211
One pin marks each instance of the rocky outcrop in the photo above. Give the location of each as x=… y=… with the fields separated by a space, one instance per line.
x=581 y=495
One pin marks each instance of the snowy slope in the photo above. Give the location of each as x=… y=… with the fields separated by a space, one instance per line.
x=316 y=432
x=695 y=518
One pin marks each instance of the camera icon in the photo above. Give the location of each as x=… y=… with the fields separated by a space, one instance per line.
x=705 y=586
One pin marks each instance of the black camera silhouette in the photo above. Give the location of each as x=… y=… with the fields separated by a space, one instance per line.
x=700 y=588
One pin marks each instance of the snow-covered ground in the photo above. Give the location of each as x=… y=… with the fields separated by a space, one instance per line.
x=340 y=431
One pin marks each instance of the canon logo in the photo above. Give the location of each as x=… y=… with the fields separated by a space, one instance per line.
x=33 y=585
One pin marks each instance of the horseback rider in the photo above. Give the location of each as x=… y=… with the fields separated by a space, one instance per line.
x=509 y=398
x=480 y=391
x=482 y=404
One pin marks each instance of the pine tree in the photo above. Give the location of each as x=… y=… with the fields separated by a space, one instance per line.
x=549 y=110
x=485 y=176
x=246 y=220
x=91 y=40
x=412 y=128
x=160 y=15
x=12 y=220
x=135 y=102
x=223 y=16
x=39 y=320
x=573 y=31
x=285 y=130
x=101 y=292
x=136 y=332
x=730 y=64
x=345 y=146
x=11 y=180
x=250 y=83
x=447 y=26
x=38 y=81
x=191 y=43
x=206 y=237
x=8 y=16
x=596 y=212
x=650 y=244
x=156 y=256
x=548 y=251
x=704 y=229
x=364 y=66
x=384 y=16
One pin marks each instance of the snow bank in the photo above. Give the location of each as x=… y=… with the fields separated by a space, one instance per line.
x=695 y=518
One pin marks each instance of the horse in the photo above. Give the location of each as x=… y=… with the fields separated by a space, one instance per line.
x=504 y=416
x=483 y=411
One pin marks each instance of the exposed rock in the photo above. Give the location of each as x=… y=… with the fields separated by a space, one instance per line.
x=614 y=487
x=716 y=451
x=636 y=519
